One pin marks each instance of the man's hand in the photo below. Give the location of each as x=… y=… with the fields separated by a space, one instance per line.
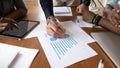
x=7 y=23
x=54 y=28
x=114 y=16
x=81 y=8
x=84 y=11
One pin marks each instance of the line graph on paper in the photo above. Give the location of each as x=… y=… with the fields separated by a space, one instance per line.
x=61 y=47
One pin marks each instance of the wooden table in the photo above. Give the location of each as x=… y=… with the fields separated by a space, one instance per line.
x=40 y=61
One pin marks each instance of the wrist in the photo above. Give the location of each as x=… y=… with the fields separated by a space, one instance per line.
x=5 y=19
x=96 y=19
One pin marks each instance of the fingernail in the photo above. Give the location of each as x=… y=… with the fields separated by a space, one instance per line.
x=115 y=25
x=3 y=28
x=119 y=26
x=118 y=11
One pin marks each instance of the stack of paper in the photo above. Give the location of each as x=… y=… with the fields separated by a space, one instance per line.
x=81 y=23
x=69 y=50
x=16 y=57
x=7 y=56
x=62 y=11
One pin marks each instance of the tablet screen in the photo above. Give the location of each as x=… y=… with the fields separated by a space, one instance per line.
x=25 y=26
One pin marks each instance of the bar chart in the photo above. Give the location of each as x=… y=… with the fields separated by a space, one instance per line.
x=61 y=47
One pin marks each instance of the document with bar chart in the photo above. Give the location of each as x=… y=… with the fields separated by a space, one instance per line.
x=62 y=52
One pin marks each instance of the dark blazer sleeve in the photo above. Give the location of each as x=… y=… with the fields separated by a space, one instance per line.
x=19 y=4
x=47 y=6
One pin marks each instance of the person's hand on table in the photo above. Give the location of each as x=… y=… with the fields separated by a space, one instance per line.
x=84 y=11
x=7 y=23
x=114 y=16
x=81 y=8
x=53 y=28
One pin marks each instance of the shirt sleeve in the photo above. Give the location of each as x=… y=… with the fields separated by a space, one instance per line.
x=113 y=2
x=47 y=6
x=19 y=4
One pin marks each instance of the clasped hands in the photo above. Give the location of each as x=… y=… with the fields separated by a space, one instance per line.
x=7 y=23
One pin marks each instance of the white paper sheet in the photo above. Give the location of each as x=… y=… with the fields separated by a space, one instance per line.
x=71 y=28
x=7 y=55
x=62 y=11
x=73 y=48
x=80 y=22
x=24 y=58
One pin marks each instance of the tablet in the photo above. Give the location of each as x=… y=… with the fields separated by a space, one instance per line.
x=24 y=27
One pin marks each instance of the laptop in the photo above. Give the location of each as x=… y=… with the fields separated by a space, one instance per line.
x=110 y=43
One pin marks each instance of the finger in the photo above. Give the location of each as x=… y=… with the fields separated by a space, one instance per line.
x=2 y=28
x=3 y=24
x=117 y=25
x=59 y=32
x=9 y=21
x=111 y=20
x=117 y=16
x=56 y=28
x=117 y=13
x=118 y=10
x=111 y=17
x=53 y=26
x=78 y=10
x=61 y=28
x=117 y=7
x=114 y=21
x=53 y=33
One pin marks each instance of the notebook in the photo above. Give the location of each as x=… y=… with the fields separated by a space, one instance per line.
x=110 y=43
x=62 y=11
x=59 y=10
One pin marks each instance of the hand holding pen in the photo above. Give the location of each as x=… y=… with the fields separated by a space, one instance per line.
x=7 y=23
x=54 y=28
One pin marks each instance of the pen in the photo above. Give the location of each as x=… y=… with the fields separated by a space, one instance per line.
x=14 y=25
x=101 y=63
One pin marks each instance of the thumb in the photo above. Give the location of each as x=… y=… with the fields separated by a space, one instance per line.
x=78 y=10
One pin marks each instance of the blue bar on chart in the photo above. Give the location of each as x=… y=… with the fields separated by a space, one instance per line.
x=63 y=46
